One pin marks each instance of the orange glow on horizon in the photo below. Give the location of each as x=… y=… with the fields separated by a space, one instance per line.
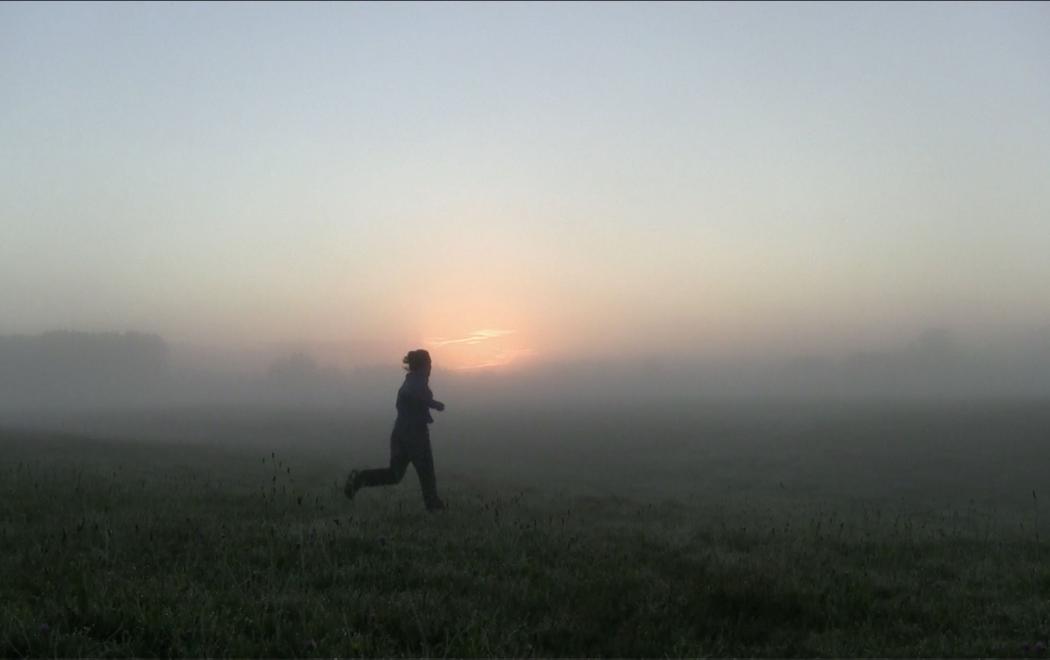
x=483 y=349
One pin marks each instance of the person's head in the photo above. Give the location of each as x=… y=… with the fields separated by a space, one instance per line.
x=417 y=362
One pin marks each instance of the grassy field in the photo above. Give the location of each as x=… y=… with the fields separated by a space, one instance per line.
x=710 y=530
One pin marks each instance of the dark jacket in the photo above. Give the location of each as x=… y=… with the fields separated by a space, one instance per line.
x=414 y=401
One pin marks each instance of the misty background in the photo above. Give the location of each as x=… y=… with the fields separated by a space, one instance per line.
x=610 y=204
x=80 y=371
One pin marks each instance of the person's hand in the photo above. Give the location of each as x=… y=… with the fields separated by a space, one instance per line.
x=439 y=406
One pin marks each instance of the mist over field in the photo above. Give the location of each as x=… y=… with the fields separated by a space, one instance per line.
x=736 y=320
x=82 y=371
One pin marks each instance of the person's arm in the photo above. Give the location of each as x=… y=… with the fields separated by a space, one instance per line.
x=432 y=402
x=422 y=393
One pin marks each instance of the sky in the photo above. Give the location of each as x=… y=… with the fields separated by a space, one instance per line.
x=511 y=183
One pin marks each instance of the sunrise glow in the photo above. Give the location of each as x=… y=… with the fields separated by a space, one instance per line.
x=681 y=195
x=481 y=349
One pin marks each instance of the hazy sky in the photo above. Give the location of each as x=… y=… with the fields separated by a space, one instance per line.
x=506 y=182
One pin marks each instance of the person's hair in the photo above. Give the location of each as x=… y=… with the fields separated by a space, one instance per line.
x=416 y=360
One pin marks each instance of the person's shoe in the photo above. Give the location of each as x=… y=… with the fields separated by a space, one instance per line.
x=435 y=506
x=353 y=484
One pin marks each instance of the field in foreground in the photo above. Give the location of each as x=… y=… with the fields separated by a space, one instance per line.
x=891 y=531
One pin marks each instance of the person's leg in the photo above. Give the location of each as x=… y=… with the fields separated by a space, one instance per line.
x=423 y=460
x=387 y=476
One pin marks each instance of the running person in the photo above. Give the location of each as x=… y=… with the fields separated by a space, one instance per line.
x=410 y=439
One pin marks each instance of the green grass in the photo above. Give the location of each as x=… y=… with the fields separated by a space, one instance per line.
x=146 y=548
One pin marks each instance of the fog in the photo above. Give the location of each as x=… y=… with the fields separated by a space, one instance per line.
x=739 y=318
x=77 y=371
x=609 y=203
x=750 y=193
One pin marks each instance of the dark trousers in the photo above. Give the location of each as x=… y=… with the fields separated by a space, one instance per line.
x=407 y=445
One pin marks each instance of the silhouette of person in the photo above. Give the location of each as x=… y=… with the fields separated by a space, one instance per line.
x=410 y=439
